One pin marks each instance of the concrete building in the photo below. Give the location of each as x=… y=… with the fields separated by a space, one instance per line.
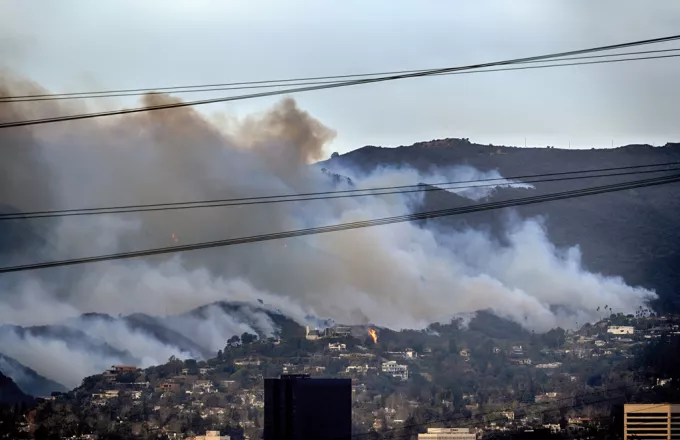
x=448 y=434
x=396 y=370
x=312 y=334
x=651 y=421
x=621 y=330
x=170 y=387
x=297 y=407
x=336 y=346
x=356 y=369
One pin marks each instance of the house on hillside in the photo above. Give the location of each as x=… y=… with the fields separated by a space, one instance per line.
x=337 y=346
x=312 y=334
x=247 y=361
x=169 y=387
x=395 y=370
x=621 y=330
x=118 y=369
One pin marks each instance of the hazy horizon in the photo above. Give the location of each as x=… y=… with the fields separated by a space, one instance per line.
x=82 y=46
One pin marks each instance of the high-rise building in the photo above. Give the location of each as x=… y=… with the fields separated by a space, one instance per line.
x=448 y=434
x=659 y=421
x=298 y=407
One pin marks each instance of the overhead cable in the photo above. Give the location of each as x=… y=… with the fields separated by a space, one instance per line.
x=354 y=225
x=286 y=82
x=336 y=85
x=338 y=194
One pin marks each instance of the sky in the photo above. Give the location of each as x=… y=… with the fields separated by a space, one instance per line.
x=85 y=45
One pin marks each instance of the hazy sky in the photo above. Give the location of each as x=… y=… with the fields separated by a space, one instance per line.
x=82 y=45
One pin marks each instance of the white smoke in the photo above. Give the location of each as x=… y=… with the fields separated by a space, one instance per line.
x=403 y=275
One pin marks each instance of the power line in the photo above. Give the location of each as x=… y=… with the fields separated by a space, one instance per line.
x=341 y=84
x=327 y=195
x=314 y=87
x=282 y=82
x=354 y=225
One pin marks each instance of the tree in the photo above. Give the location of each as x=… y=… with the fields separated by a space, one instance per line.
x=128 y=377
x=247 y=338
x=554 y=338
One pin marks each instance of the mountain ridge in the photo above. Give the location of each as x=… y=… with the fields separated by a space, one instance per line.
x=27 y=379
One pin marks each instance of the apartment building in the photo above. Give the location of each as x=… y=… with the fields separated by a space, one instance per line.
x=395 y=370
x=658 y=421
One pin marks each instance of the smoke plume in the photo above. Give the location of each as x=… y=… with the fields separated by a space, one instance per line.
x=398 y=276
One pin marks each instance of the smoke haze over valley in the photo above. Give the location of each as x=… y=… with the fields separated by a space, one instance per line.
x=68 y=323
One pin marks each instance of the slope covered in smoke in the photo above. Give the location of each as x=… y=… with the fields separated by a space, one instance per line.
x=631 y=234
x=27 y=379
x=10 y=393
x=406 y=275
x=136 y=339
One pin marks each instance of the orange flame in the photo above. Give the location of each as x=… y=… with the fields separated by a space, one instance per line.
x=374 y=335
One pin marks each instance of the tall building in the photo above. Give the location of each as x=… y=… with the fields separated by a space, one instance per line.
x=448 y=434
x=659 y=421
x=297 y=407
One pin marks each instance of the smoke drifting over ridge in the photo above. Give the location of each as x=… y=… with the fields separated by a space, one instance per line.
x=399 y=276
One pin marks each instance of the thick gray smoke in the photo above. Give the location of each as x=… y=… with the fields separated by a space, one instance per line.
x=399 y=276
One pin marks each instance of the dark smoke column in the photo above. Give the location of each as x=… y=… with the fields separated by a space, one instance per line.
x=297 y=407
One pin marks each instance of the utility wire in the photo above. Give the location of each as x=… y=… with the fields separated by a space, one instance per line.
x=336 y=85
x=313 y=86
x=354 y=225
x=327 y=195
x=278 y=83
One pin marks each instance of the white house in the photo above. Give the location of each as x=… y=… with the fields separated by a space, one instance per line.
x=621 y=329
x=337 y=346
x=356 y=369
x=395 y=370
x=549 y=365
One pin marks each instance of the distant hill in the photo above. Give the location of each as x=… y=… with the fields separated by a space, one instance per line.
x=10 y=393
x=174 y=332
x=631 y=234
x=27 y=379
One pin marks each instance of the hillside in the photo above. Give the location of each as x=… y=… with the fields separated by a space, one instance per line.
x=630 y=234
x=156 y=339
x=27 y=379
x=10 y=393
x=449 y=371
